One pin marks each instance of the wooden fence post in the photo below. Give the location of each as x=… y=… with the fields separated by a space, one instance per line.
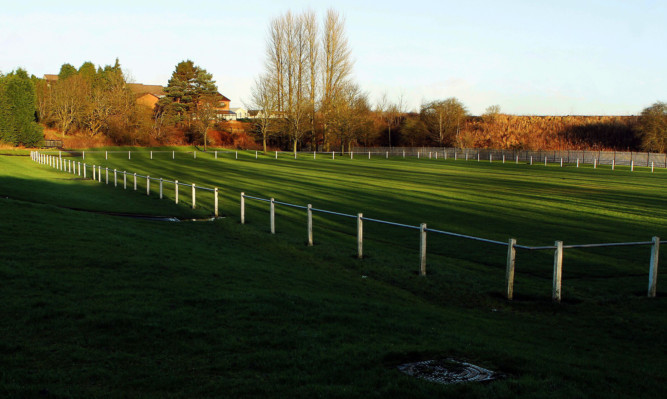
x=310 y=225
x=161 y=188
x=422 y=249
x=273 y=216
x=558 y=271
x=148 y=185
x=509 y=274
x=215 y=201
x=242 y=208
x=176 y=191
x=360 y=235
x=194 y=196
x=653 y=268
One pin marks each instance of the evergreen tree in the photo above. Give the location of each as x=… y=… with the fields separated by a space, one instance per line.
x=186 y=91
x=18 y=109
x=66 y=70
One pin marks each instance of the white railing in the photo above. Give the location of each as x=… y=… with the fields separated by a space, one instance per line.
x=71 y=167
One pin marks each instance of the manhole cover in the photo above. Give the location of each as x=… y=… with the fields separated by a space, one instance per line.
x=448 y=371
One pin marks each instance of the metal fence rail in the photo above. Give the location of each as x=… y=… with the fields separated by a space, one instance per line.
x=71 y=167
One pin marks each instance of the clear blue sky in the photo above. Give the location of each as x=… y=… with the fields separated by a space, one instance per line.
x=530 y=57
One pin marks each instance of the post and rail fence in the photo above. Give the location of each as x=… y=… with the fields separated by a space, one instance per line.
x=511 y=244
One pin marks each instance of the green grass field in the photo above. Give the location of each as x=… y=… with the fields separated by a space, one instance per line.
x=100 y=305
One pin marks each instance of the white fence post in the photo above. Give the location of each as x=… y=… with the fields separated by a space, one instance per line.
x=273 y=216
x=577 y=162
x=310 y=225
x=509 y=273
x=215 y=201
x=161 y=182
x=558 y=271
x=176 y=191
x=653 y=268
x=79 y=164
x=106 y=175
x=173 y=155
x=148 y=185
x=195 y=154
x=531 y=160
x=106 y=154
x=422 y=249
x=632 y=166
x=115 y=178
x=242 y=208
x=216 y=155
x=83 y=155
x=135 y=181
x=387 y=155
x=129 y=155
x=151 y=154
x=369 y=155
x=314 y=154
x=360 y=235
x=545 y=160
x=613 y=164
x=651 y=166
x=276 y=154
x=194 y=196
x=124 y=180
x=561 y=162
x=84 y=170
x=99 y=174
x=595 y=163
x=255 y=154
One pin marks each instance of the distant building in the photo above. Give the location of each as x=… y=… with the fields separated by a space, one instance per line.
x=240 y=112
x=147 y=95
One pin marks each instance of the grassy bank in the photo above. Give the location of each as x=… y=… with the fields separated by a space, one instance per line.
x=96 y=305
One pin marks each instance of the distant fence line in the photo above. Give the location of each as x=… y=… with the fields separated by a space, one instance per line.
x=553 y=156
x=75 y=167
x=595 y=158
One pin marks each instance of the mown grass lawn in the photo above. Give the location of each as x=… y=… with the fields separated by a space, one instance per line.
x=97 y=305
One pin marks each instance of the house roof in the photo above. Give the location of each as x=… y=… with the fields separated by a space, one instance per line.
x=50 y=77
x=138 y=89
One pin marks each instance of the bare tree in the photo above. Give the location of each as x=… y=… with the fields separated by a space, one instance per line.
x=263 y=97
x=443 y=119
x=68 y=98
x=336 y=67
x=391 y=113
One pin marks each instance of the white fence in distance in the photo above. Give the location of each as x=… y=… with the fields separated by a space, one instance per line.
x=71 y=166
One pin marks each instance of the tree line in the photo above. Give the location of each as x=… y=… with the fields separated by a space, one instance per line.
x=305 y=99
